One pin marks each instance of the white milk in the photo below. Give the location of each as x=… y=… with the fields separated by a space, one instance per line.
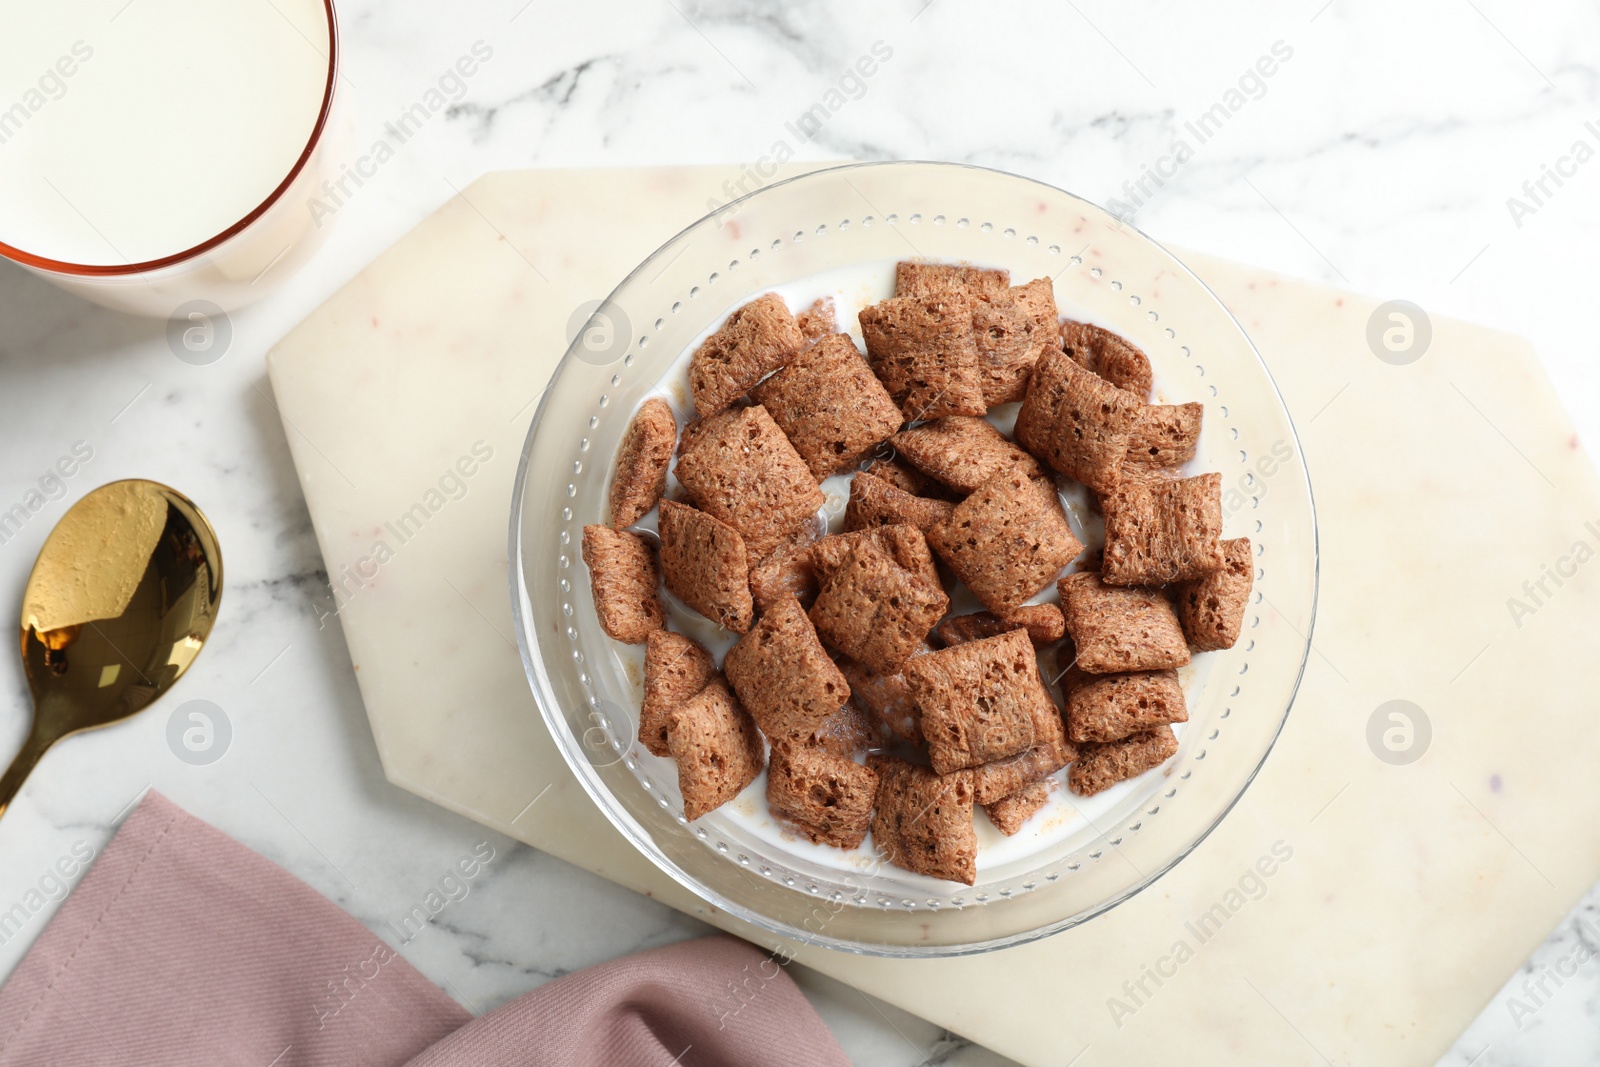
x=131 y=131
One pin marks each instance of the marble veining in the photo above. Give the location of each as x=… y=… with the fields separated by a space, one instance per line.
x=1380 y=157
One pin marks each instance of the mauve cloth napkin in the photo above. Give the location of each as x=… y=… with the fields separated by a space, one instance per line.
x=182 y=948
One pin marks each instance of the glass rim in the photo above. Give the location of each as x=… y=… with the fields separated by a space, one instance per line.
x=112 y=270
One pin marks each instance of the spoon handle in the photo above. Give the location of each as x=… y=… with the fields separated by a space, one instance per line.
x=33 y=749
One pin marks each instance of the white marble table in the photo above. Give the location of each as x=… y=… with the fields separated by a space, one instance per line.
x=1380 y=154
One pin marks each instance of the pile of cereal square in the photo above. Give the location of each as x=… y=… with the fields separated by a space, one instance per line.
x=870 y=705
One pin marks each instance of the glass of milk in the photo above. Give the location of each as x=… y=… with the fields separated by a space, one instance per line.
x=159 y=152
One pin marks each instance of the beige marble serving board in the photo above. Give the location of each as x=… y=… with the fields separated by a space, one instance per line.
x=1400 y=896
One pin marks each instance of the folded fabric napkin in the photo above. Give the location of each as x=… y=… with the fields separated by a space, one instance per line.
x=182 y=948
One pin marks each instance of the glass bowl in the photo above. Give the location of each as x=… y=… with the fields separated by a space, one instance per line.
x=588 y=686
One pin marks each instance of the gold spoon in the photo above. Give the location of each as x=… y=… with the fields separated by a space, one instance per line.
x=120 y=601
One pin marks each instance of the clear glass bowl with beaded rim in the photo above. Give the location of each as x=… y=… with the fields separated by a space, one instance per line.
x=840 y=219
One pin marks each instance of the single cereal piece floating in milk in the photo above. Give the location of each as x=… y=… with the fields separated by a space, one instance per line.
x=980 y=701
x=1212 y=608
x=1076 y=421
x=874 y=502
x=1044 y=623
x=623 y=577
x=745 y=472
x=875 y=610
x=1109 y=707
x=1099 y=767
x=783 y=674
x=676 y=668
x=1163 y=531
x=1165 y=435
x=756 y=340
x=716 y=747
x=962 y=452
x=923 y=820
x=1013 y=329
x=830 y=405
x=1006 y=541
x=826 y=796
x=921 y=348
x=1120 y=628
x=1114 y=358
x=1010 y=812
x=705 y=566
x=642 y=462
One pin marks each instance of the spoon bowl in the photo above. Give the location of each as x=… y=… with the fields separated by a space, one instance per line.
x=120 y=601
